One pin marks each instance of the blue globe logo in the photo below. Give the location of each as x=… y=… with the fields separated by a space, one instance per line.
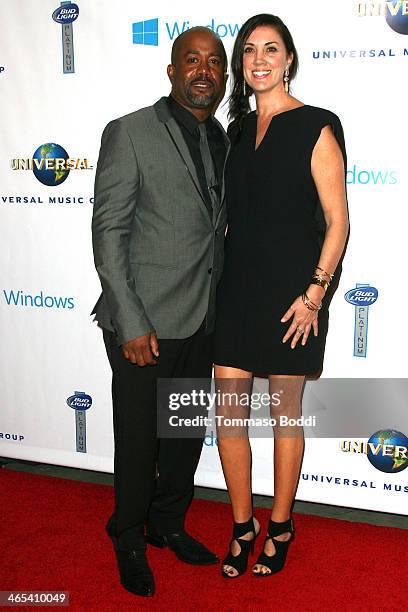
x=54 y=175
x=393 y=458
x=398 y=22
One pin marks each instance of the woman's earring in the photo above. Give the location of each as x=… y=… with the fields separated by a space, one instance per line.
x=245 y=91
x=286 y=80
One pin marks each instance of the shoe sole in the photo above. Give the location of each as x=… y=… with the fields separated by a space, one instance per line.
x=135 y=592
x=159 y=544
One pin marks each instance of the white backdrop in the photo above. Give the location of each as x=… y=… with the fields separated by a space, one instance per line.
x=351 y=63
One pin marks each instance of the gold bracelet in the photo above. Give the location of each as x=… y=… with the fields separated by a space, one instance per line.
x=309 y=304
x=326 y=273
x=311 y=301
x=318 y=280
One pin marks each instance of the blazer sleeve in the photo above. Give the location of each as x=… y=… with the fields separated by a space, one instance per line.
x=117 y=186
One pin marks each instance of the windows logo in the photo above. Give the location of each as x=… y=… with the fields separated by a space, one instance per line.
x=146 y=32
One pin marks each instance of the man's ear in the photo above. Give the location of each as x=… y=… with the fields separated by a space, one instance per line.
x=170 y=72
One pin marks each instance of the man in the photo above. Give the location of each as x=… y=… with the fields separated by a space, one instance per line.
x=158 y=229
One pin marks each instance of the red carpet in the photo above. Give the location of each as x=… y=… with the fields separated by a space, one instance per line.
x=53 y=539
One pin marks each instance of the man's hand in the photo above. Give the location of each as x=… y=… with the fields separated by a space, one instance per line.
x=141 y=350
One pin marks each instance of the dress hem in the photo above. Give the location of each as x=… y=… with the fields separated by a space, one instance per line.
x=267 y=370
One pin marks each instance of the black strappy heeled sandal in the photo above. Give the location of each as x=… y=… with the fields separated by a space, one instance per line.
x=240 y=561
x=276 y=562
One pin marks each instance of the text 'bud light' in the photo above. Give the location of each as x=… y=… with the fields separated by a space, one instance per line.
x=80 y=401
x=66 y=14
x=362 y=296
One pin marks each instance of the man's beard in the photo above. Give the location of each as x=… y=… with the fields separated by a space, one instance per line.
x=200 y=100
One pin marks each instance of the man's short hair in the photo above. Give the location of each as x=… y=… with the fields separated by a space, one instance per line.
x=176 y=44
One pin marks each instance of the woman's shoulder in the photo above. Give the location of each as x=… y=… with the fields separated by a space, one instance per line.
x=322 y=114
x=318 y=118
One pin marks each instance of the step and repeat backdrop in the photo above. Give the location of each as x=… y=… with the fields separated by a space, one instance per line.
x=66 y=70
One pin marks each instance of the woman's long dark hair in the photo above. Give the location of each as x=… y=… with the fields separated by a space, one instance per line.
x=238 y=102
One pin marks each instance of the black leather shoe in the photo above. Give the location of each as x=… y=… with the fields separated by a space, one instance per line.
x=135 y=573
x=185 y=547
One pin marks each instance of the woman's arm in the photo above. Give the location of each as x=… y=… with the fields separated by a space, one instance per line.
x=328 y=173
x=329 y=176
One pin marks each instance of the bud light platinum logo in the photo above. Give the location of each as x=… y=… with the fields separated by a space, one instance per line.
x=80 y=402
x=367 y=296
x=66 y=14
x=362 y=297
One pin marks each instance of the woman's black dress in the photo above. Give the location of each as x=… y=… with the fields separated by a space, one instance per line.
x=275 y=233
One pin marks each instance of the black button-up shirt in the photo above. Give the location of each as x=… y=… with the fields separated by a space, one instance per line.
x=188 y=125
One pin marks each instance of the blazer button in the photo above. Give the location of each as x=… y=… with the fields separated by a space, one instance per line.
x=209 y=270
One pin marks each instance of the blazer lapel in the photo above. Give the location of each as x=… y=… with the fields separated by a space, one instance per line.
x=174 y=132
x=182 y=149
x=228 y=146
x=176 y=137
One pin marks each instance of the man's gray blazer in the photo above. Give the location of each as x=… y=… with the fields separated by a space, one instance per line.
x=158 y=253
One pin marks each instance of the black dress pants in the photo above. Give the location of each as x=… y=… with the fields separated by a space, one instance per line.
x=140 y=497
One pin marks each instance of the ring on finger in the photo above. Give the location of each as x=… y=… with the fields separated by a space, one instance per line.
x=300 y=330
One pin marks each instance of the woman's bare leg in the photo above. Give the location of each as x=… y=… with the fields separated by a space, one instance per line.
x=288 y=452
x=234 y=449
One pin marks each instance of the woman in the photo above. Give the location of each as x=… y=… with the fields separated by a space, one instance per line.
x=287 y=229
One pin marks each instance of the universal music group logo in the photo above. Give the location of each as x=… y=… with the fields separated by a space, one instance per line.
x=394 y=11
x=386 y=450
x=51 y=164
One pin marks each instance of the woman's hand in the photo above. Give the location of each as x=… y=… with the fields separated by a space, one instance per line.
x=303 y=321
